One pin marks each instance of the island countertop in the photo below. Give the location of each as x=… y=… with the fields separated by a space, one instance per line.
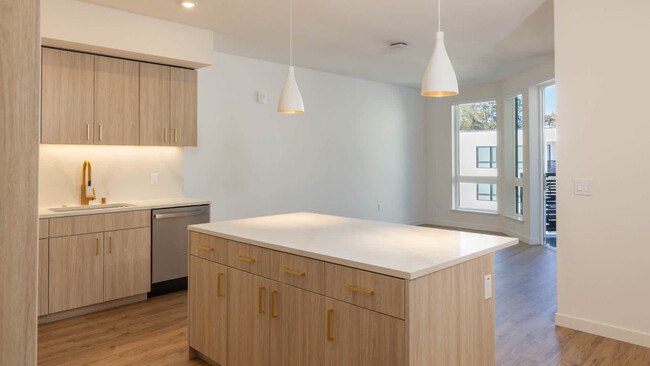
x=397 y=250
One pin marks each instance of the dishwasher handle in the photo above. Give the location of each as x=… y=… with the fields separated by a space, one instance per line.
x=178 y=214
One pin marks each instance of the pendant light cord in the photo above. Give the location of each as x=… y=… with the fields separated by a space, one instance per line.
x=290 y=32
x=438 y=15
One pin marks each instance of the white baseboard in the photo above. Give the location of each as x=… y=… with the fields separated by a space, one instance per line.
x=473 y=226
x=602 y=329
x=417 y=222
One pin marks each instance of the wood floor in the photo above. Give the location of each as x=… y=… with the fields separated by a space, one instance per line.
x=155 y=333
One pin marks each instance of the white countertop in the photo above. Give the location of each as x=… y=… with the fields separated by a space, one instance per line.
x=45 y=213
x=397 y=250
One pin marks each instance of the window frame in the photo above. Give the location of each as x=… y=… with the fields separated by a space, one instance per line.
x=493 y=157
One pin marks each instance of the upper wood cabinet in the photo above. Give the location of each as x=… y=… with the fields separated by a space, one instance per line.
x=88 y=99
x=154 y=104
x=117 y=101
x=182 y=121
x=67 y=97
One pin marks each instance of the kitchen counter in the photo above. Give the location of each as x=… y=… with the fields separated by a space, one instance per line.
x=46 y=213
x=397 y=250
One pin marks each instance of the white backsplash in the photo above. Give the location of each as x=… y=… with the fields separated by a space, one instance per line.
x=119 y=173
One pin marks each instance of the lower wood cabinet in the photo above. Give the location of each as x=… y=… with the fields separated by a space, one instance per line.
x=76 y=266
x=208 y=296
x=127 y=263
x=43 y=271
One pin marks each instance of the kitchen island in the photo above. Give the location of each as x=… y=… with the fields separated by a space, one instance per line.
x=311 y=289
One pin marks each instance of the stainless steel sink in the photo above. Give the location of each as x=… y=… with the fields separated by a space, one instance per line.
x=90 y=207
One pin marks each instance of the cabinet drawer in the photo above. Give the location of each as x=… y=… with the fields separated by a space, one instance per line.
x=249 y=258
x=373 y=291
x=43 y=228
x=209 y=247
x=75 y=225
x=298 y=271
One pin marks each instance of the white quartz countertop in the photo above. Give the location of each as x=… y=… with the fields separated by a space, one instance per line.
x=45 y=213
x=397 y=250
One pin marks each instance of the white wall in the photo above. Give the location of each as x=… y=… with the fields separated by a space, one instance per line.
x=81 y=26
x=358 y=144
x=438 y=116
x=602 y=78
x=120 y=173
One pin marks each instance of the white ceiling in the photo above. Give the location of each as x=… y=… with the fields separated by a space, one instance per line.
x=487 y=40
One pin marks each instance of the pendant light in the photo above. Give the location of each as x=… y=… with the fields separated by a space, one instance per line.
x=439 y=78
x=290 y=98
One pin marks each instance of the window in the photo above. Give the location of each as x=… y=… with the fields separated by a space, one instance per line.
x=486 y=192
x=519 y=201
x=519 y=135
x=475 y=156
x=486 y=157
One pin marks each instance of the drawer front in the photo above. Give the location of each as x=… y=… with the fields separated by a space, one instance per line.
x=75 y=225
x=43 y=228
x=209 y=247
x=372 y=291
x=249 y=258
x=294 y=270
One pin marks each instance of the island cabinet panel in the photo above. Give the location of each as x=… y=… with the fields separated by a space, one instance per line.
x=43 y=263
x=208 y=314
x=127 y=263
x=154 y=104
x=183 y=110
x=374 y=291
x=297 y=332
x=294 y=270
x=76 y=271
x=209 y=247
x=248 y=319
x=249 y=258
x=117 y=101
x=66 y=97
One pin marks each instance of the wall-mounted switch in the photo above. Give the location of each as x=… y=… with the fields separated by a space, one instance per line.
x=487 y=285
x=154 y=179
x=582 y=187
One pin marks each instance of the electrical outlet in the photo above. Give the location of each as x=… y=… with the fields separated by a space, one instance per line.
x=154 y=179
x=488 y=287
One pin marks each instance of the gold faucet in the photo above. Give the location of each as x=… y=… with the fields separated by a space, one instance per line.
x=85 y=183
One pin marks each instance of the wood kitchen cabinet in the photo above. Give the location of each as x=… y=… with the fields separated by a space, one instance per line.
x=75 y=271
x=248 y=319
x=43 y=258
x=116 y=101
x=208 y=296
x=154 y=104
x=67 y=97
x=127 y=263
x=183 y=112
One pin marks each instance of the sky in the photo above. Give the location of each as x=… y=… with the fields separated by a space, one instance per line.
x=549 y=100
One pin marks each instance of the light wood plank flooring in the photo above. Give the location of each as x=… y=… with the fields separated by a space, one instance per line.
x=155 y=333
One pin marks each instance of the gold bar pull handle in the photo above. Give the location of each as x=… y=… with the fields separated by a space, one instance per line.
x=175 y=135
x=273 y=304
x=360 y=290
x=97 y=251
x=260 y=300
x=295 y=273
x=206 y=248
x=87 y=132
x=110 y=244
x=101 y=133
x=219 y=284
x=246 y=259
x=329 y=325
x=165 y=134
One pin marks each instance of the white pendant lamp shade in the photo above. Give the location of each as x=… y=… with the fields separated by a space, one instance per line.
x=290 y=98
x=440 y=77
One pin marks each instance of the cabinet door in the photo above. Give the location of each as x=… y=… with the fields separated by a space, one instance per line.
x=154 y=104
x=183 y=107
x=248 y=319
x=117 y=101
x=67 y=97
x=127 y=263
x=342 y=346
x=76 y=272
x=208 y=316
x=382 y=340
x=298 y=332
x=43 y=258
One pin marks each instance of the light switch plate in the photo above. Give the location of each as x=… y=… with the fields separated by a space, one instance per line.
x=261 y=97
x=487 y=285
x=582 y=187
x=154 y=179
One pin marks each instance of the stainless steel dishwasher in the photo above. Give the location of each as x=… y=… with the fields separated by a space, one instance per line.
x=169 y=254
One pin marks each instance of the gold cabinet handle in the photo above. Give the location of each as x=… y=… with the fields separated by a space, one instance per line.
x=175 y=135
x=101 y=135
x=260 y=300
x=356 y=289
x=329 y=325
x=87 y=132
x=110 y=244
x=97 y=252
x=165 y=134
x=206 y=248
x=219 y=284
x=295 y=273
x=273 y=304
x=246 y=259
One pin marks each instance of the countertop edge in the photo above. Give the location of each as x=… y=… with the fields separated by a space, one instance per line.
x=179 y=203
x=359 y=265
